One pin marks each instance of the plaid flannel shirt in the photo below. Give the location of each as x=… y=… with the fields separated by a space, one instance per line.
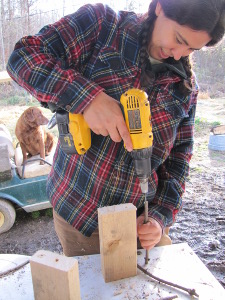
x=69 y=63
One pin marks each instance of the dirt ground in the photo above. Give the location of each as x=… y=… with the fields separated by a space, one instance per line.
x=201 y=222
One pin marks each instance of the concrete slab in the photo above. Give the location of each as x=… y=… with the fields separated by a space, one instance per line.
x=177 y=263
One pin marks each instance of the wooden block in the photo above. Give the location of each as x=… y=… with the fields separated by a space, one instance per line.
x=218 y=129
x=118 y=241
x=4 y=77
x=54 y=276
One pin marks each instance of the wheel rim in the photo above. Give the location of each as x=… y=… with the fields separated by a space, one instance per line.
x=2 y=219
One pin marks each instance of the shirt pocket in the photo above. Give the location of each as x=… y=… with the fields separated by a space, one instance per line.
x=168 y=110
x=172 y=100
x=110 y=70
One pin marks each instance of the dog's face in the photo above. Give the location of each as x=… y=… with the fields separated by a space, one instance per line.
x=34 y=117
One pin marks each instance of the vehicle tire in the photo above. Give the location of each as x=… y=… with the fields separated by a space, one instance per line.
x=7 y=215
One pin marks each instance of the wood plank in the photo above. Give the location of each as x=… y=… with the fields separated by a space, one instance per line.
x=218 y=129
x=54 y=276
x=4 y=77
x=118 y=241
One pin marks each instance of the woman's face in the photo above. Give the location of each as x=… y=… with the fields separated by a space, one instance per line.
x=169 y=39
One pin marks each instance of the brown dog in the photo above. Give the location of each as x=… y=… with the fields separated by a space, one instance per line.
x=31 y=134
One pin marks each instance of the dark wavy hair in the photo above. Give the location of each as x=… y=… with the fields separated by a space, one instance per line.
x=205 y=15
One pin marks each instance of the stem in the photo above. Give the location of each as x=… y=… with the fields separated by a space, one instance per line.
x=191 y=292
x=3 y=274
x=170 y=298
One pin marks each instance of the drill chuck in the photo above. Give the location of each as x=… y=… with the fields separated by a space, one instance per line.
x=142 y=166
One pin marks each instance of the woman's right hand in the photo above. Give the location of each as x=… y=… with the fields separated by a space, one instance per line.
x=104 y=116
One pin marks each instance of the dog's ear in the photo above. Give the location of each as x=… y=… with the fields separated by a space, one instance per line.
x=40 y=119
x=29 y=115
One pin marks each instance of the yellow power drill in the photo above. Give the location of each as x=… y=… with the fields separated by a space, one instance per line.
x=75 y=135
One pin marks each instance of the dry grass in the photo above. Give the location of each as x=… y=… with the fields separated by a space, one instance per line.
x=203 y=95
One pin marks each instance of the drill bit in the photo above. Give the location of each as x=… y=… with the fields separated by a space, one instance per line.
x=145 y=221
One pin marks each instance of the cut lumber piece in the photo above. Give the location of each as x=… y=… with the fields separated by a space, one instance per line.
x=4 y=77
x=54 y=276
x=218 y=129
x=118 y=241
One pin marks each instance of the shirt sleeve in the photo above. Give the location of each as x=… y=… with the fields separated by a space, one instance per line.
x=50 y=65
x=173 y=173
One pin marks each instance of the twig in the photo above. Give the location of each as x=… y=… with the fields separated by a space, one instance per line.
x=169 y=298
x=191 y=292
x=3 y=274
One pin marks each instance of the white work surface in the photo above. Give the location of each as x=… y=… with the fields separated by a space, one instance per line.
x=176 y=263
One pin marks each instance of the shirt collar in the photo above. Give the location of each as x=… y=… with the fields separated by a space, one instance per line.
x=161 y=67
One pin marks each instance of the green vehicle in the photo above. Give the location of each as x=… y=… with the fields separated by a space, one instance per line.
x=21 y=186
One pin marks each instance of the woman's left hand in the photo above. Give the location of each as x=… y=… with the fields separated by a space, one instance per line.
x=150 y=233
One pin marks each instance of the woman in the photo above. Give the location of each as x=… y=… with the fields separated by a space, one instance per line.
x=83 y=64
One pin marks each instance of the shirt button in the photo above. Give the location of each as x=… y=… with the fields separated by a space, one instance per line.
x=68 y=107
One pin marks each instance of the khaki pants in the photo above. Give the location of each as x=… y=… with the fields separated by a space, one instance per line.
x=73 y=242
x=76 y=244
